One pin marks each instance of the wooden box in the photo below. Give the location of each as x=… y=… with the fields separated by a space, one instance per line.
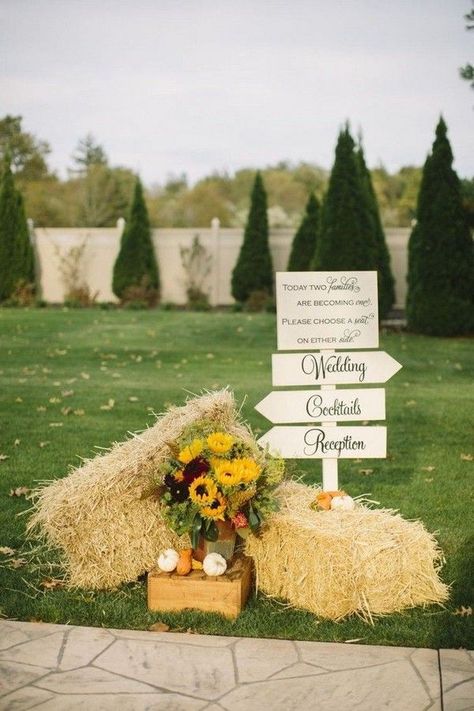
x=225 y=594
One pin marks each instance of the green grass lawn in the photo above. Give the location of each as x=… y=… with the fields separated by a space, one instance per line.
x=58 y=367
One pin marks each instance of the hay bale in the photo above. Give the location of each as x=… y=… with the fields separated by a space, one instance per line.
x=106 y=532
x=336 y=563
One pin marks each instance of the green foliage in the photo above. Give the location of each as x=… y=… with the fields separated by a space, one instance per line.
x=136 y=264
x=27 y=154
x=16 y=253
x=386 y=284
x=304 y=242
x=254 y=271
x=440 y=299
x=346 y=238
x=89 y=153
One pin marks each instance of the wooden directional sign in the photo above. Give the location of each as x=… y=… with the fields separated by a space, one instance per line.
x=332 y=368
x=323 y=405
x=327 y=310
x=297 y=442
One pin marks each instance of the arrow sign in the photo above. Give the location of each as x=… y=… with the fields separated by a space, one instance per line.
x=333 y=368
x=323 y=405
x=327 y=442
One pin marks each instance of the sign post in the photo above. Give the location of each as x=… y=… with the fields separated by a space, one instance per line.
x=331 y=312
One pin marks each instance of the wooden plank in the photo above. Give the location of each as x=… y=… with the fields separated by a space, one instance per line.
x=225 y=594
x=327 y=310
x=340 y=368
x=297 y=442
x=344 y=405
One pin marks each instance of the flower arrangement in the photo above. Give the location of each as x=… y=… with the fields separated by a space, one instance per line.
x=214 y=476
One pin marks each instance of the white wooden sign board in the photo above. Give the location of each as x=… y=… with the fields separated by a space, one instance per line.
x=335 y=310
x=342 y=405
x=332 y=368
x=326 y=442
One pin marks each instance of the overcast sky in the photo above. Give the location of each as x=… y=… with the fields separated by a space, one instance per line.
x=171 y=86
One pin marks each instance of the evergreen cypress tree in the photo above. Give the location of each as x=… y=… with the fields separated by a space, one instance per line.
x=135 y=265
x=254 y=271
x=16 y=252
x=304 y=242
x=440 y=299
x=386 y=284
x=346 y=240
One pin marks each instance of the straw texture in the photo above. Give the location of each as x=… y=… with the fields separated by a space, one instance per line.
x=366 y=562
x=106 y=532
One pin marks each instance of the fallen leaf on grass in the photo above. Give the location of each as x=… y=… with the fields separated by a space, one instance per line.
x=54 y=400
x=67 y=393
x=55 y=424
x=365 y=472
x=66 y=410
x=6 y=550
x=17 y=563
x=109 y=406
x=467 y=457
x=463 y=611
x=428 y=481
x=44 y=444
x=17 y=442
x=51 y=583
x=410 y=403
x=18 y=399
x=41 y=408
x=79 y=412
x=3 y=457
x=85 y=376
x=159 y=627
x=20 y=491
x=428 y=469
x=133 y=398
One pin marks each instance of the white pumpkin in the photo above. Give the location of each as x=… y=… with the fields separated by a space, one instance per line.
x=214 y=564
x=168 y=560
x=342 y=503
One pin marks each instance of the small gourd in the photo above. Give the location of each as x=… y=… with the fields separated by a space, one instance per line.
x=185 y=561
x=342 y=503
x=168 y=560
x=214 y=564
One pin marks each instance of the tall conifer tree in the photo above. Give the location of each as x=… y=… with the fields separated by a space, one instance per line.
x=254 y=271
x=386 y=284
x=304 y=242
x=346 y=240
x=440 y=299
x=136 y=264
x=16 y=251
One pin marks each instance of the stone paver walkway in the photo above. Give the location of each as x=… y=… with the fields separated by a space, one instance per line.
x=60 y=667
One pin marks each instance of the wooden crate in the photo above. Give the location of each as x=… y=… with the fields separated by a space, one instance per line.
x=225 y=594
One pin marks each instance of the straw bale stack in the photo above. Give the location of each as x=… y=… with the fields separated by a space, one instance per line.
x=366 y=561
x=106 y=532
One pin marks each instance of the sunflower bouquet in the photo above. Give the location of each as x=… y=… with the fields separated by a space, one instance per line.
x=213 y=476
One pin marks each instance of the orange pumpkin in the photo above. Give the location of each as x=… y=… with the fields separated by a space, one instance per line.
x=185 y=561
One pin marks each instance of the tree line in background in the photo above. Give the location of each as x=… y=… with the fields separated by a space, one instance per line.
x=96 y=193
x=343 y=232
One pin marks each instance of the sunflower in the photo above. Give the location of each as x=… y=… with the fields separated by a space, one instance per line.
x=220 y=442
x=203 y=490
x=248 y=469
x=227 y=474
x=191 y=451
x=215 y=508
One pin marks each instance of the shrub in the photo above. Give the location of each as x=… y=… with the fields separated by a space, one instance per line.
x=346 y=240
x=135 y=265
x=304 y=242
x=253 y=270
x=16 y=253
x=440 y=299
